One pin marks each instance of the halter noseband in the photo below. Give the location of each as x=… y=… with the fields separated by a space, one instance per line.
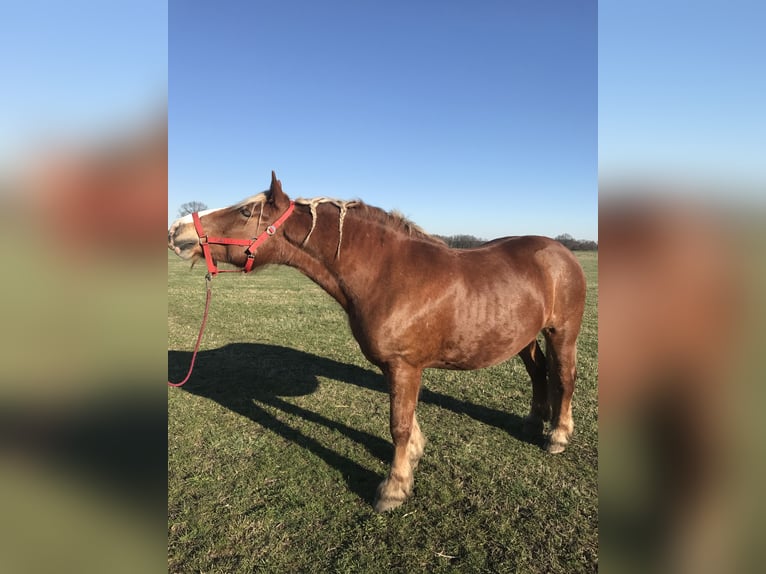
x=252 y=245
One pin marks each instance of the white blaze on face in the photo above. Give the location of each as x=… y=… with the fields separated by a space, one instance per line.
x=187 y=219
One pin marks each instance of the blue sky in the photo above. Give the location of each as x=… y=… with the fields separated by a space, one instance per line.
x=78 y=68
x=682 y=91
x=475 y=118
x=479 y=119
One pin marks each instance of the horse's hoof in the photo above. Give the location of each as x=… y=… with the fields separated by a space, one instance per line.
x=391 y=494
x=386 y=504
x=558 y=441
x=555 y=447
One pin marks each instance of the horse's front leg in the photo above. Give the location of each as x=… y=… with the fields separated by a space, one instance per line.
x=404 y=385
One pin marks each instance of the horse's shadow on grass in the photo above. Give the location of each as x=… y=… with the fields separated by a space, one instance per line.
x=244 y=377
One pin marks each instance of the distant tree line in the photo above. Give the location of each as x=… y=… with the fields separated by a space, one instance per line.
x=469 y=241
x=576 y=244
x=461 y=241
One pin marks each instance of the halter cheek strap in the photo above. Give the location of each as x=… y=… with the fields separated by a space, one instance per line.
x=251 y=245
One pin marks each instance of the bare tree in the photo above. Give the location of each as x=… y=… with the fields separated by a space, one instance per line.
x=191 y=207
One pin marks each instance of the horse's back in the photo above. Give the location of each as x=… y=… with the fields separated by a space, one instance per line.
x=564 y=278
x=543 y=265
x=500 y=295
x=471 y=308
x=530 y=254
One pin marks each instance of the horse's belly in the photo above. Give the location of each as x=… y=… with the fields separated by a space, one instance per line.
x=483 y=347
x=469 y=357
x=459 y=330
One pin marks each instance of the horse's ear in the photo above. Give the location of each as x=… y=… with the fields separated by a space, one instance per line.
x=276 y=195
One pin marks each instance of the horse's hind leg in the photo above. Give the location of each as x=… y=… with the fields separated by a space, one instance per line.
x=562 y=355
x=404 y=385
x=540 y=410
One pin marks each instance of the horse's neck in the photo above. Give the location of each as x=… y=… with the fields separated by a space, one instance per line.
x=341 y=265
x=315 y=270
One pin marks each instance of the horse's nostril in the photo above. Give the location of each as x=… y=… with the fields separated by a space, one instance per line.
x=175 y=239
x=186 y=245
x=173 y=234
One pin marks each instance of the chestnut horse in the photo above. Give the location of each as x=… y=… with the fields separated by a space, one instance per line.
x=414 y=303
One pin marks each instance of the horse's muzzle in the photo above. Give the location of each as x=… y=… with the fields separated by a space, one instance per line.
x=183 y=240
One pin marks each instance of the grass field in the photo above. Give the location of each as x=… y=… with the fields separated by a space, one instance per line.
x=276 y=446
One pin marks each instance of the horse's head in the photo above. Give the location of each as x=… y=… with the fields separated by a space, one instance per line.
x=242 y=229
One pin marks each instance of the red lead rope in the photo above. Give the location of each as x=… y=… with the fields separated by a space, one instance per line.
x=208 y=279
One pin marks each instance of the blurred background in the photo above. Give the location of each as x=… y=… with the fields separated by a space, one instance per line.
x=83 y=185
x=682 y=213
x=83 y=217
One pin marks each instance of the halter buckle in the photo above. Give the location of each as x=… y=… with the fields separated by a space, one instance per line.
x=271 y=230
x=203 y=239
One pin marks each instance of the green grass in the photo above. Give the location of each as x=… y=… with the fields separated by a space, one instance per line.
x=276 y=446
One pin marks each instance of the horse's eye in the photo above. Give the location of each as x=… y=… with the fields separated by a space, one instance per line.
x=245 y=211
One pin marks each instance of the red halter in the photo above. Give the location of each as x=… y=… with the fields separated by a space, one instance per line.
x=252 y=245
x=205 y=241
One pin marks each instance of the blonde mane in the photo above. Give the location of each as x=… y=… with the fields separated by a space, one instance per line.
x=394 y=218
x=340 y=204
